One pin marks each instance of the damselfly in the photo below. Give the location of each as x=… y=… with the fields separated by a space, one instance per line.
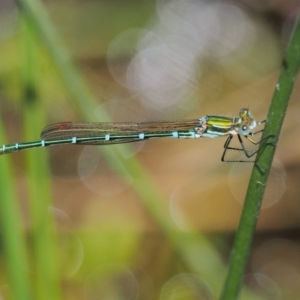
x=127 y=132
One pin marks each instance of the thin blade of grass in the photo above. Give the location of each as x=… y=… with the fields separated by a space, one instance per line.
x=44 y=263
x=12 y=236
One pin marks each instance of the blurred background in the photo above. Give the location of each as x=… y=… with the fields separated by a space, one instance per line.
x=155 y=219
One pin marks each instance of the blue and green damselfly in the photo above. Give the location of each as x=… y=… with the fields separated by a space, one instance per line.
x=127 y=132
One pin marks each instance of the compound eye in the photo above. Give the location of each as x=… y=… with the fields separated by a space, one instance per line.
x=244 y=112
x=244 y=130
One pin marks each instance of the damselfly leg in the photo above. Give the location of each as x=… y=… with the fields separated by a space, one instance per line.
x=248 y=152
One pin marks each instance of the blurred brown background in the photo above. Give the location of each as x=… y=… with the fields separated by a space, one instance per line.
x=162 y=60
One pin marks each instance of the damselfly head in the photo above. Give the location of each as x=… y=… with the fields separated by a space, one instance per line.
x=247 y=123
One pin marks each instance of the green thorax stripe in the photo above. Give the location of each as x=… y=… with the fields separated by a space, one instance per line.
x=219 y=124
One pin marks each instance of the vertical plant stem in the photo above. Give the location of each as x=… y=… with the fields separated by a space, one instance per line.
x=12 y=237
x=45 y=265
x=258 y=180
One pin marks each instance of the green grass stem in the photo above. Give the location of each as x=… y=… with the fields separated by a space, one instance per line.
x=12 y=236
x=44 y=262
